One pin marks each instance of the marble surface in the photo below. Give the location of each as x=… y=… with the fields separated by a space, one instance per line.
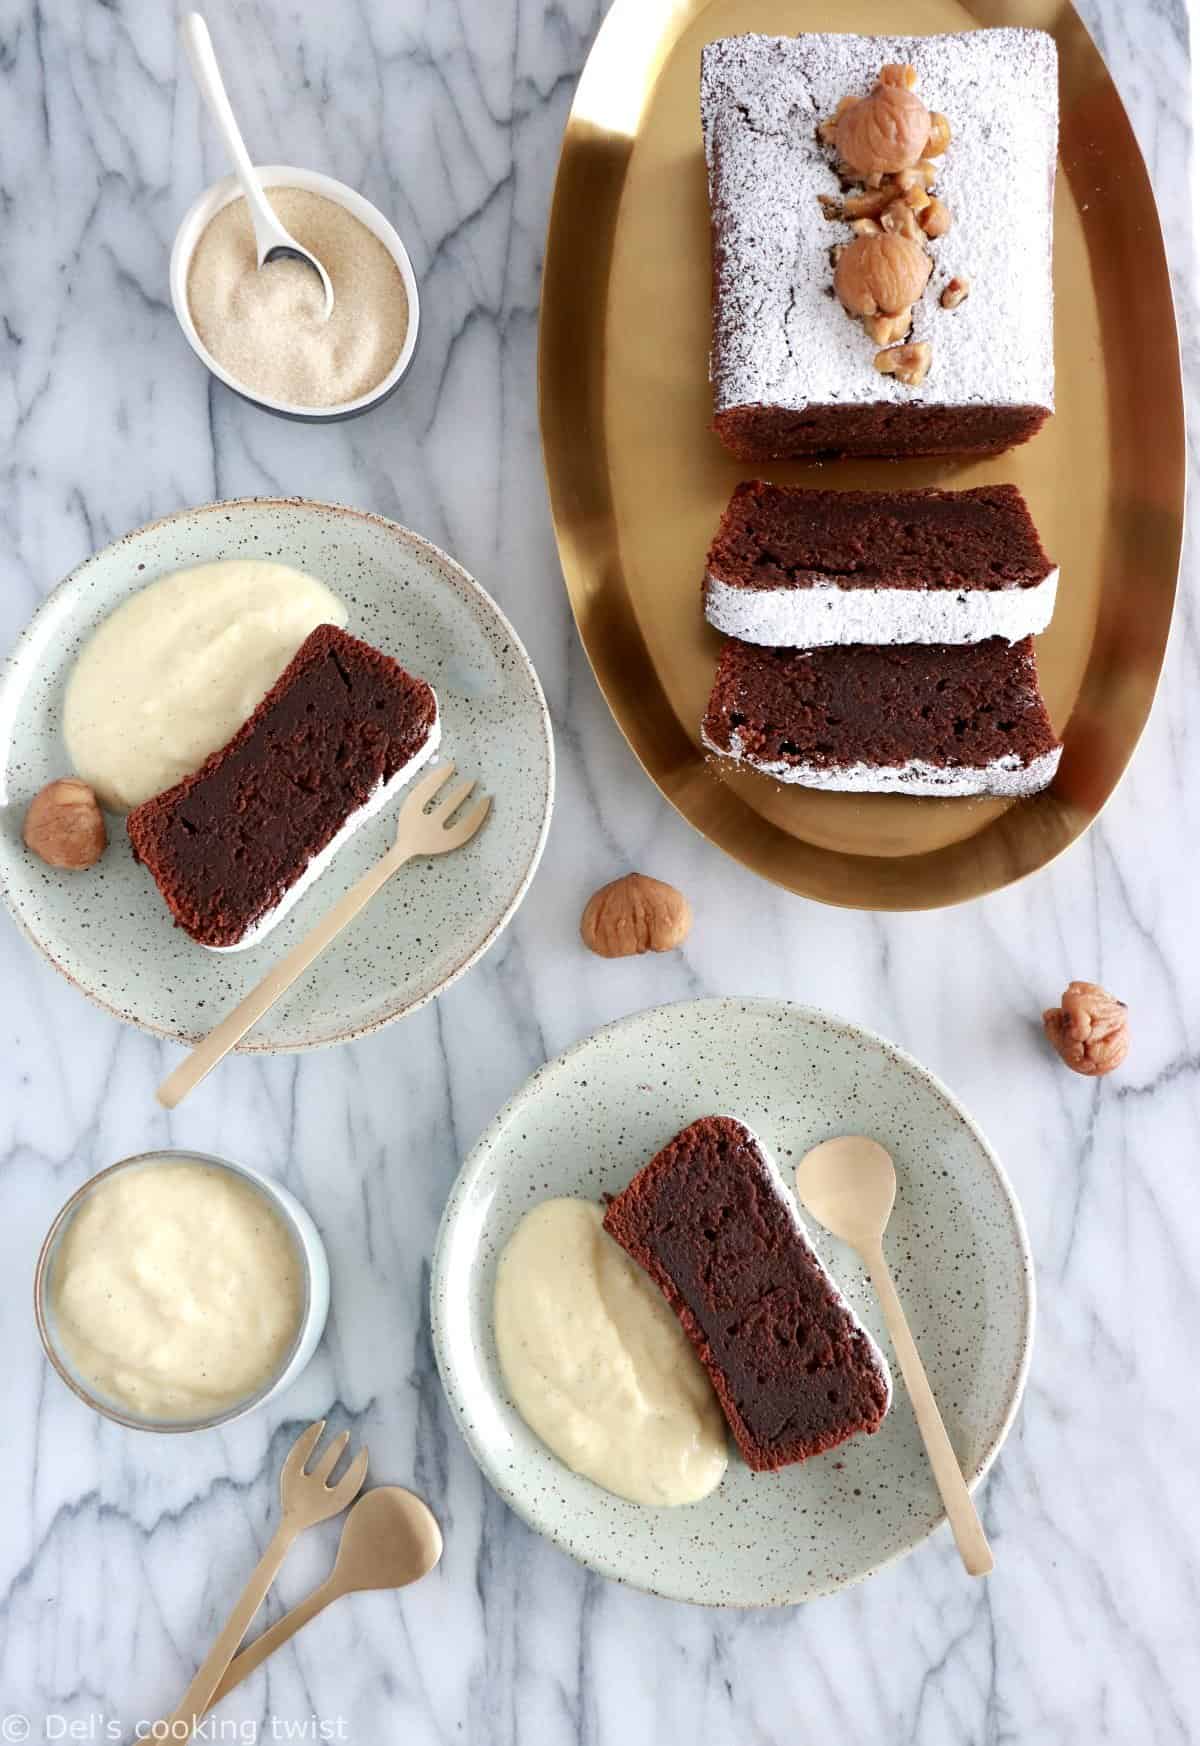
x=119 y=1554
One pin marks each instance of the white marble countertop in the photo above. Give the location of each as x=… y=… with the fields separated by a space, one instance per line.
x=119 y=1553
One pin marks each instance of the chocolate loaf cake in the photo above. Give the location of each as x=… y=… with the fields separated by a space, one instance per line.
x=711 y=1222
x=792 y=372
x=912 y=718
x=232 y=847
x=802 y=568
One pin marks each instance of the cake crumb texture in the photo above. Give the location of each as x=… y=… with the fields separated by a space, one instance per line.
x=226 y=843
x=794 y=1370
x=968 y=717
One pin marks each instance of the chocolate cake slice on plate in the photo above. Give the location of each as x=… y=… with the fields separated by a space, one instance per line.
x=711 y=1222
x=909 y=718
x=232 y=846
x=802 y=568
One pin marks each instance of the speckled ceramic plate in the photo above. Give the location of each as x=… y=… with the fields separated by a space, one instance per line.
x=584 y=1124
x=109 y=931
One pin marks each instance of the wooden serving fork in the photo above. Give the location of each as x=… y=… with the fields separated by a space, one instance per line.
x=306 y=1498
x=417 y=833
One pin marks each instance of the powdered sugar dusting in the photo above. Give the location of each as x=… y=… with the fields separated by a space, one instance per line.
x=819 y=614
x=780 y=338
x=1006 y=776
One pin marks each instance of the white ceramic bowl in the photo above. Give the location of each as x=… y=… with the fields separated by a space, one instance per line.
x=228 y=189
x=312 y=1322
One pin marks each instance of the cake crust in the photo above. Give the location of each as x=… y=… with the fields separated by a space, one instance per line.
x=795 y=1371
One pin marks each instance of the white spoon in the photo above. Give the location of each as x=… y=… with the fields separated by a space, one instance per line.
x=273 y=241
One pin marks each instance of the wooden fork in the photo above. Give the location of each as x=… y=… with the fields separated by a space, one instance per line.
x=417 y=833
x=306 y=1498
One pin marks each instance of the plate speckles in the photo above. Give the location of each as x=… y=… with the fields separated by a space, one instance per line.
x=584 y=1124
x=108 y=930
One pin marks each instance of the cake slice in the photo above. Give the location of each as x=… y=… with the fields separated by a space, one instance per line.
x=910 y=718
x=713 y=1225
x=232 y=846
x=805 y=568
x=792 y=372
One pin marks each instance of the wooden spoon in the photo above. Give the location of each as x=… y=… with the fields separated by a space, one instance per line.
x=849 y=1184
x=307 y=1497
x=389 y=1539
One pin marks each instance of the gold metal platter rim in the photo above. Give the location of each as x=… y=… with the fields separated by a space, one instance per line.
x=634 y=42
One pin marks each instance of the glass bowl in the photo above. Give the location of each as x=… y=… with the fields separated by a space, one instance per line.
x=308 y=1245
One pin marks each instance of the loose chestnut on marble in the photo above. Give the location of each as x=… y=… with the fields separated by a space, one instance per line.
x=1090 y=1030
x=64 y=825
x=635 y=914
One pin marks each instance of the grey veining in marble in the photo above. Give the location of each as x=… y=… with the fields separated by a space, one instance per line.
x=117 y=1553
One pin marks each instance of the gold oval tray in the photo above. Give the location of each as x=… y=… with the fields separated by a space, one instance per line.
x=638 y=481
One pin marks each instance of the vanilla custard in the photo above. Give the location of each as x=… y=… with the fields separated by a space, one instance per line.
x=598 y=1365
x=177 y=1290
x=173 y=673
